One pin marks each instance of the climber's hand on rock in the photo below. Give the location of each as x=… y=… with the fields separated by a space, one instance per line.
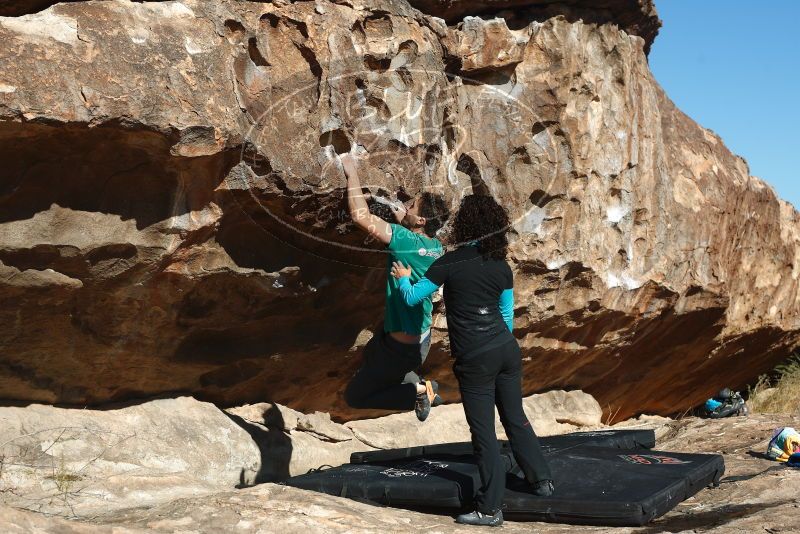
x=399 y=210
x=349 y=164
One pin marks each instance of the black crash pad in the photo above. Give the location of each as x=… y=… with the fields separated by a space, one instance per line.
x=621 y=439
x=613 y=487
x=595 y=485
x=436 y=482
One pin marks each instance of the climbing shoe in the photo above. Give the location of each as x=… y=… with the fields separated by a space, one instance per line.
x=422 y=407
x=542 y=488
x=437 y=400
x=481 y=519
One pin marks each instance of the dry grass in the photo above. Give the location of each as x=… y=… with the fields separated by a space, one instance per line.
x=780 y=393
x=63 y=477
x=24 y=456
x=611 y=415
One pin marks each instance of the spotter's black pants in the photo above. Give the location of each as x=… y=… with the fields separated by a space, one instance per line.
x=486 y=379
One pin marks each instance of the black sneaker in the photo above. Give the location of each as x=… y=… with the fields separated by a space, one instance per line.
x=543 y=488
x=422 y=407
x=480 y=519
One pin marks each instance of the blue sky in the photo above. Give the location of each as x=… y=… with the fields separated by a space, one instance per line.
x=734 y=67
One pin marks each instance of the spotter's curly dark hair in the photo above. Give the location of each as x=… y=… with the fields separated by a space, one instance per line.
x=480 y=218
x=433 y=207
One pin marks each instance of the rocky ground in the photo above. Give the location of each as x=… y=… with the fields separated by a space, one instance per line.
x=189 y=484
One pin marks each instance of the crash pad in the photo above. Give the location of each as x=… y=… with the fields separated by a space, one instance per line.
x=594 y=484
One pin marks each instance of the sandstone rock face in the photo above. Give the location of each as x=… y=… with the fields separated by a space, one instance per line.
x=555 y=412
x=171 y=214
x=82 y=463
x=15 y=8
x=755 y=495
x=636 y=17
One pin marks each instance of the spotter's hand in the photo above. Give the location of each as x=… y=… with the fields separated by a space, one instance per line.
x=399 y=270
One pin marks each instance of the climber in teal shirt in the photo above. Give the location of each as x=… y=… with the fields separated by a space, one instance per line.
x=387 y=378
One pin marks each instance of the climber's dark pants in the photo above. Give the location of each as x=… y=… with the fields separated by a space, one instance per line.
x=387 y=378
x=486 y=379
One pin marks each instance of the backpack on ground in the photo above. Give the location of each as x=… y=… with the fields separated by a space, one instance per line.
x=726 y=403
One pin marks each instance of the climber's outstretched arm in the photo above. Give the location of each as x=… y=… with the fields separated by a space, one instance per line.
x=359 y=211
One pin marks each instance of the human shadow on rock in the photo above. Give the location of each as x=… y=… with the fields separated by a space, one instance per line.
x=274 y=446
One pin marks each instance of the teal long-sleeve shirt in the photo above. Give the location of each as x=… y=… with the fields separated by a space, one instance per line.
x=413 y=294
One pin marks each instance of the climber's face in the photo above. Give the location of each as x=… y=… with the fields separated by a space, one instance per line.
x=412 y=218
